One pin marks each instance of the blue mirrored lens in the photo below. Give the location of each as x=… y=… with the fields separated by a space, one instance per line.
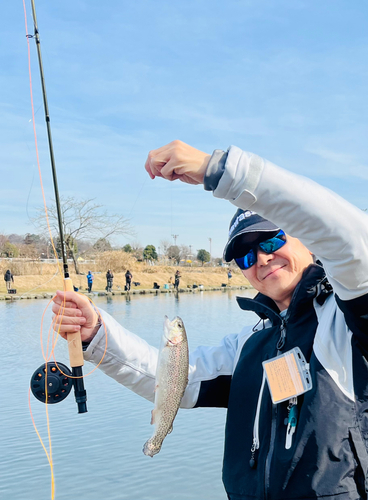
x=273 y=244
x=250 y=259
x=268 y=246
x=247 y=261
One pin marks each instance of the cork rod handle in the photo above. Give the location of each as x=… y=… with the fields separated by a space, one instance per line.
x=74 y=339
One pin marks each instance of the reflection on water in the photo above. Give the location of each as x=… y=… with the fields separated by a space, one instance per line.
x=99 y=454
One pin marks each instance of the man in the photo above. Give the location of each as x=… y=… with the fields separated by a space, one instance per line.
x=128 y=280
x=177 y=279
x=109 y=279
x=89 y=281
x=310 y=267
x=9 y=279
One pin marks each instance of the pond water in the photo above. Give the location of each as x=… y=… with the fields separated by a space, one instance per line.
x=98 y=455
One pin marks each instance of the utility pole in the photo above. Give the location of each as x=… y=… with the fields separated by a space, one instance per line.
x=175 y=236
x=210 y=249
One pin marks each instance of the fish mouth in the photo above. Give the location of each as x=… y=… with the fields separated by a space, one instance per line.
x=172 y=339
x=167 y=325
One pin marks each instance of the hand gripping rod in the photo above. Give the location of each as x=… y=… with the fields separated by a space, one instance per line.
x=74 y=339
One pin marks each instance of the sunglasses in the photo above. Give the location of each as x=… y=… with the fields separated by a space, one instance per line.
x=267 y=246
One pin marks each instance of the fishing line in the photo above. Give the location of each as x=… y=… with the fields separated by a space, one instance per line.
x=171 y=208
x=76 y=373
x=35 y=135
x=38 y=286
x=29 y=194
x=137 y=198
x=56 y=334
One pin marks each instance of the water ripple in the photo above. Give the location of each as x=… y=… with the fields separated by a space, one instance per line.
x=99 y=454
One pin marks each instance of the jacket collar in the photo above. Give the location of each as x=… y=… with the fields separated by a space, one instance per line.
x=312 y=284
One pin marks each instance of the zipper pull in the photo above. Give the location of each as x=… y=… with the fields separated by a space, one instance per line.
x=252 y=461
x=291 y=426
x=281 y=342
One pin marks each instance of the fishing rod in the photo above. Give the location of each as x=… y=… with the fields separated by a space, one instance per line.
x=52 y=382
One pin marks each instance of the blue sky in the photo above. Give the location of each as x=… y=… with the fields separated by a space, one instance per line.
x=284 y=79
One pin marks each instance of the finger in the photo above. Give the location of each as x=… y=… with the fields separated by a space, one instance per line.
x=63 y=332
x=61 y=321
x=61 y=298
x=65 y=311
x=73 y=297
x=148 y=168
x=154 y=165
x=157 y=158
x=61 y=302
x=170 y=171
x=68 y=320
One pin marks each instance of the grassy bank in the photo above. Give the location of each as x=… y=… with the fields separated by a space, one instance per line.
x=146 y=275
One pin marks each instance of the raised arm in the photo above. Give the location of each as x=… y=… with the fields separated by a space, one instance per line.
x=333 y=229
x=329 y=226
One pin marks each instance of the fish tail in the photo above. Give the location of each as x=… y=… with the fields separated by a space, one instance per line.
x=151 y=447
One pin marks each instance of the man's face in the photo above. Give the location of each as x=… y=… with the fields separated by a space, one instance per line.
x=277 y=274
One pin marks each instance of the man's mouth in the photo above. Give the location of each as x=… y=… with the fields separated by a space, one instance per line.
x=273 y=272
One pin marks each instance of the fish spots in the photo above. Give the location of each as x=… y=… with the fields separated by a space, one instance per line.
x=171 y=381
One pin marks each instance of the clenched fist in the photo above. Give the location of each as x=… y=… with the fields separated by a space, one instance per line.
x=74 y=314
x=178 y=160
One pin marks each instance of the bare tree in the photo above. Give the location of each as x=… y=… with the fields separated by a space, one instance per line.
x=184 y=252
x=81 y=219
x=137 y=250
x=3 y=240
x=173 y=252
x=164 y=245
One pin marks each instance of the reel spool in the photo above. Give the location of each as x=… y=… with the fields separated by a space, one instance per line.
x=59 y=384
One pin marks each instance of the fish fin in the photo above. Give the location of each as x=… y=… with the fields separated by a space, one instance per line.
x=153 y=416
x=150 y=449
x=170 y=430
x=156 y=387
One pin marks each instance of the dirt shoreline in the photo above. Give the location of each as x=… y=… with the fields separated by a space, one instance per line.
x=138 y=291
x=206 y=279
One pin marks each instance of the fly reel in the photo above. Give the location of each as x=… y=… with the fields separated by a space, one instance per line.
x=57 y=377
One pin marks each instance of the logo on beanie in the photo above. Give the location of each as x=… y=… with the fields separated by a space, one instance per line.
x=244 y=215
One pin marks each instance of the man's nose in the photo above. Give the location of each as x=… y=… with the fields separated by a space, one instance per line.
x=263 y=258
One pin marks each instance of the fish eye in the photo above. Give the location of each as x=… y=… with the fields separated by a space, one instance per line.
x=180 y=325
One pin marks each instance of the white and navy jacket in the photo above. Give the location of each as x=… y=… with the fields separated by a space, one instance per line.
x=327 y=319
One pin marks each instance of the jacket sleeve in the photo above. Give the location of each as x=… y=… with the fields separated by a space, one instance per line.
x=131 y=361
x=329 y=226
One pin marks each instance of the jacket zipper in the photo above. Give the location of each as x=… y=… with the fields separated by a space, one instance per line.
x=255 y=444
x=270 y=451
x=280 y=344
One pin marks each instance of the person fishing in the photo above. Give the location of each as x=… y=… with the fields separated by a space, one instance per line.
x=295 y=384
x=9 y=279
x=128 y=280
x=177 y=279
x=109 y=279
x=90 y=281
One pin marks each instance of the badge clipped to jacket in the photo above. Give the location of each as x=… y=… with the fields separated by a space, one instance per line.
x=287 y=375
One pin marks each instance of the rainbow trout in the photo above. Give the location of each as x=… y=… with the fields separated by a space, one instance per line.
x=171 y=381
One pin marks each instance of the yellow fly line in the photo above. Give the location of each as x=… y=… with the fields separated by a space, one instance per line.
x=53 y=331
